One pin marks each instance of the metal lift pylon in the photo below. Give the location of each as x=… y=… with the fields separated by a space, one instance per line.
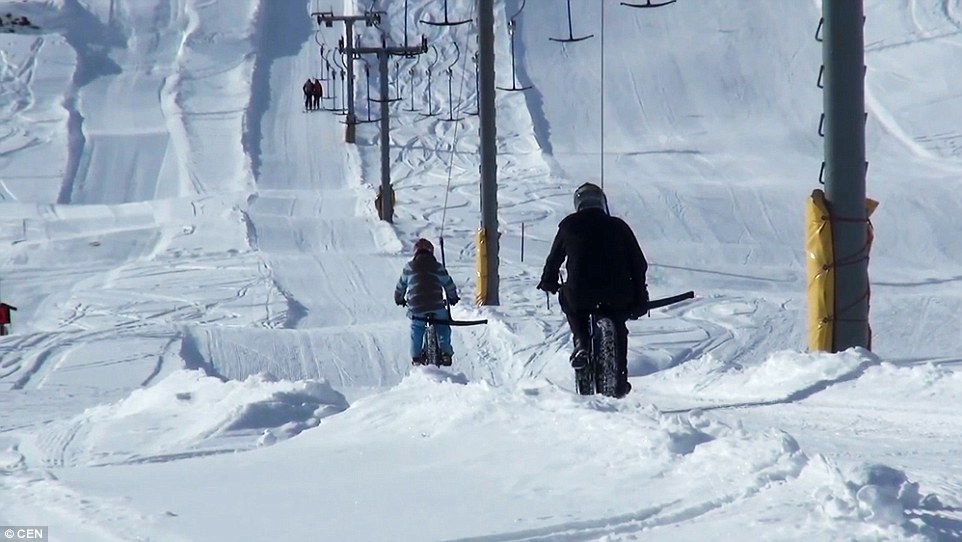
x=370 y=18
x=384 y=202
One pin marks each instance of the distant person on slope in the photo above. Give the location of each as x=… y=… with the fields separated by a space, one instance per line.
x=308 y=94
x=317 y=93
x=606 y=269
x=420 y=288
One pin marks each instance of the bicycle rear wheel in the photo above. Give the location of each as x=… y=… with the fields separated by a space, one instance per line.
x=604 y=357
x=432 y=351
x=585 y=380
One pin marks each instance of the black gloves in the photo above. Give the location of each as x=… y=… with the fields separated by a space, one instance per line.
x=548 y=286
x=453 y=300
x=642 y=297
x=400 y=301
x=640 y=307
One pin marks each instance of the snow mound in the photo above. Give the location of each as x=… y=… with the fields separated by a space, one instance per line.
x=929 y=386
x=435 y=374
x=539 y=444
x=783 y=376
x=187 y=414
x=880 y=498
x=10 y=460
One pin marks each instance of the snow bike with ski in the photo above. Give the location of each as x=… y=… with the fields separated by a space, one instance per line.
x=431 y=351
x=600 y=374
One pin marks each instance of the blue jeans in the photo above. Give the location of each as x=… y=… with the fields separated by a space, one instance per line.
x=417 y=332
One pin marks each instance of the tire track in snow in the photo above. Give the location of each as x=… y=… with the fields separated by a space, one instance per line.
x=52 y=351
x=29 y=371
x=80 y=516
x=54 y=443
x=14 y=351
x=16 y=90
x=782 y=464
x=927 y=146
x=295 y=310
x=948 y=9
x=129 y=312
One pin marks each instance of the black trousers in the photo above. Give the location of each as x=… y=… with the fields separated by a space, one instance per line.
x=579 y=322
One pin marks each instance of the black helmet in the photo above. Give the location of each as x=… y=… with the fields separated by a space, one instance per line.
x=590 y=196
x=423 y=245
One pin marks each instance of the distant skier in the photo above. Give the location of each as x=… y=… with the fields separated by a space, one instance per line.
x=420 y=288
x=308 y=94
x=317 y=93
x=606 y=268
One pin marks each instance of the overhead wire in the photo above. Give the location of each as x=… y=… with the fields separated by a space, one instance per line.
x=602 y=95
x=454 y=147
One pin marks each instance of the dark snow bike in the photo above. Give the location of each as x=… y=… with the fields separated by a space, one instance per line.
x=600 y=374
x=431 y=349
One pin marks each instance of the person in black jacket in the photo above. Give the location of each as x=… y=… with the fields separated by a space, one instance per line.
x=606 y=272
x=308 y=94
x=421 y=286
x=317 y=92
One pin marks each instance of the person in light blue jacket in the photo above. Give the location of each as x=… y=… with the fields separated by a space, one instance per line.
x=422 y=288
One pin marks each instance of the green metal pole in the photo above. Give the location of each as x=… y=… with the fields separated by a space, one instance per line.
x=843 y=53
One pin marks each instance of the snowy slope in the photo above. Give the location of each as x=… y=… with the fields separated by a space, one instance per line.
x=206 y=346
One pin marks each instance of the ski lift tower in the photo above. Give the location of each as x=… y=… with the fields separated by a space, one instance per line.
x=843 y=54
x=489 y=244
x=370 y=18
x=385 y=195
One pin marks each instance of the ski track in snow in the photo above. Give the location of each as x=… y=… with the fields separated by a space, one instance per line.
x=80 y=516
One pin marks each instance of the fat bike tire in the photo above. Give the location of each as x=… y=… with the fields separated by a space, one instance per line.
x=585 y=380
x=432 y=352
x=605 y=357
